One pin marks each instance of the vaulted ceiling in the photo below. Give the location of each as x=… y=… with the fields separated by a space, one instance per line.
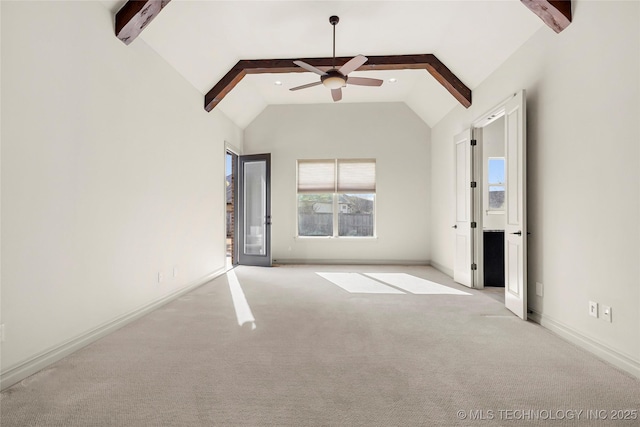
x=204 y=40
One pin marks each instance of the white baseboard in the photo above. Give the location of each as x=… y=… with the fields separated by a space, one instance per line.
x=617 y=359
x=304 y=261
x=40 y=361
x=442 y=268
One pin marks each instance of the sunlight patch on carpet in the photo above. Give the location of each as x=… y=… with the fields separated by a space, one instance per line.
x=358 y=284
x=243 y=311
x=415 y=285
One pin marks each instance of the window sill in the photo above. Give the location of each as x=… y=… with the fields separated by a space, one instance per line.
x=336 y=237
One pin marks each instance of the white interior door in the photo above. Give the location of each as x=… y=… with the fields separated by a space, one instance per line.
x=462 y=272
x=515 y=201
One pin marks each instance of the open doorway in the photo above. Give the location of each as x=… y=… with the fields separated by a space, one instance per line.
x=231 y=161
x=490 y=169
x=501 y=177
x=493 y=203
x=500 y=211
x=248 y=209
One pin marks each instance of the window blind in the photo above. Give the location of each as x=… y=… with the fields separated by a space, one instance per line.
x=357 y=176
x=316 y=176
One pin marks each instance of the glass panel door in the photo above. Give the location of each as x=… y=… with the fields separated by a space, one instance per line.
x=254 y=210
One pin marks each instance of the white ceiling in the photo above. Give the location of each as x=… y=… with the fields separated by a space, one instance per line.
x=203 y=40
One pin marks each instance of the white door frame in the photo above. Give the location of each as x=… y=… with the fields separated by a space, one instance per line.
x=486 y=119
x=228 y=147
x=478 y=235
x=519 y=304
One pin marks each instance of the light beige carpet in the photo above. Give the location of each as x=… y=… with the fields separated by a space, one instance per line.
x=321 y=356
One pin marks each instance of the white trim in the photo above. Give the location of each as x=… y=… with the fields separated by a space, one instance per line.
x=357 y=238
x=492 y=115
x=478 y=204
x=442 y=268
x=230 y=147
x=603 y=351
x=38 y=362
x=227 y=150
x=303 y=261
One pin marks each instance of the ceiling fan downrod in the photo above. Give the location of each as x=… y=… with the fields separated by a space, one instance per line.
x=334 y=21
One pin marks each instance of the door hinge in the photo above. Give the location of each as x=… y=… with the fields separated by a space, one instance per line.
x=474 y=224
x=473 y=184
x=474 y=266
x=474 y=142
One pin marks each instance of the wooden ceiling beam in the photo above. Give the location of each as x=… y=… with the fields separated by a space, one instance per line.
x=396 y=62
x=134 y=16
x=555 y=13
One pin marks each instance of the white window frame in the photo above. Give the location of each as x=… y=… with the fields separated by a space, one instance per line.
x=336 y=199
x=489 y=210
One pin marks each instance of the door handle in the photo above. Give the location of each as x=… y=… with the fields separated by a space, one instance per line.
x=454 y=226
x=518 y=233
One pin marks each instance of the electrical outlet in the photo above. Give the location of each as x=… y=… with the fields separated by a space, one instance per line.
x=175 y=271
x=160 y=277
x=539 y=289
x=593 y=309
x=606 y=313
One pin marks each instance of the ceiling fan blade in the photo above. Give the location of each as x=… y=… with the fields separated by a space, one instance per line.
x=309 y=67
x=336 y=94
x=353 y=64
x=306 y=86
x=364 y=81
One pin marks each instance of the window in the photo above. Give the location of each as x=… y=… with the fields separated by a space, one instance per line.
x=336 y=198
x=495 y=178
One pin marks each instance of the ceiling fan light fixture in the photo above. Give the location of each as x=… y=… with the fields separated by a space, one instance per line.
x=333 y=82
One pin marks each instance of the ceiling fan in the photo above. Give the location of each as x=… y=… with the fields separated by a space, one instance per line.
x=336 y=78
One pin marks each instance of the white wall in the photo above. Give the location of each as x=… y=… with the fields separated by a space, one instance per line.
x=583 y=93
x=111 y=172
x=390 y=133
